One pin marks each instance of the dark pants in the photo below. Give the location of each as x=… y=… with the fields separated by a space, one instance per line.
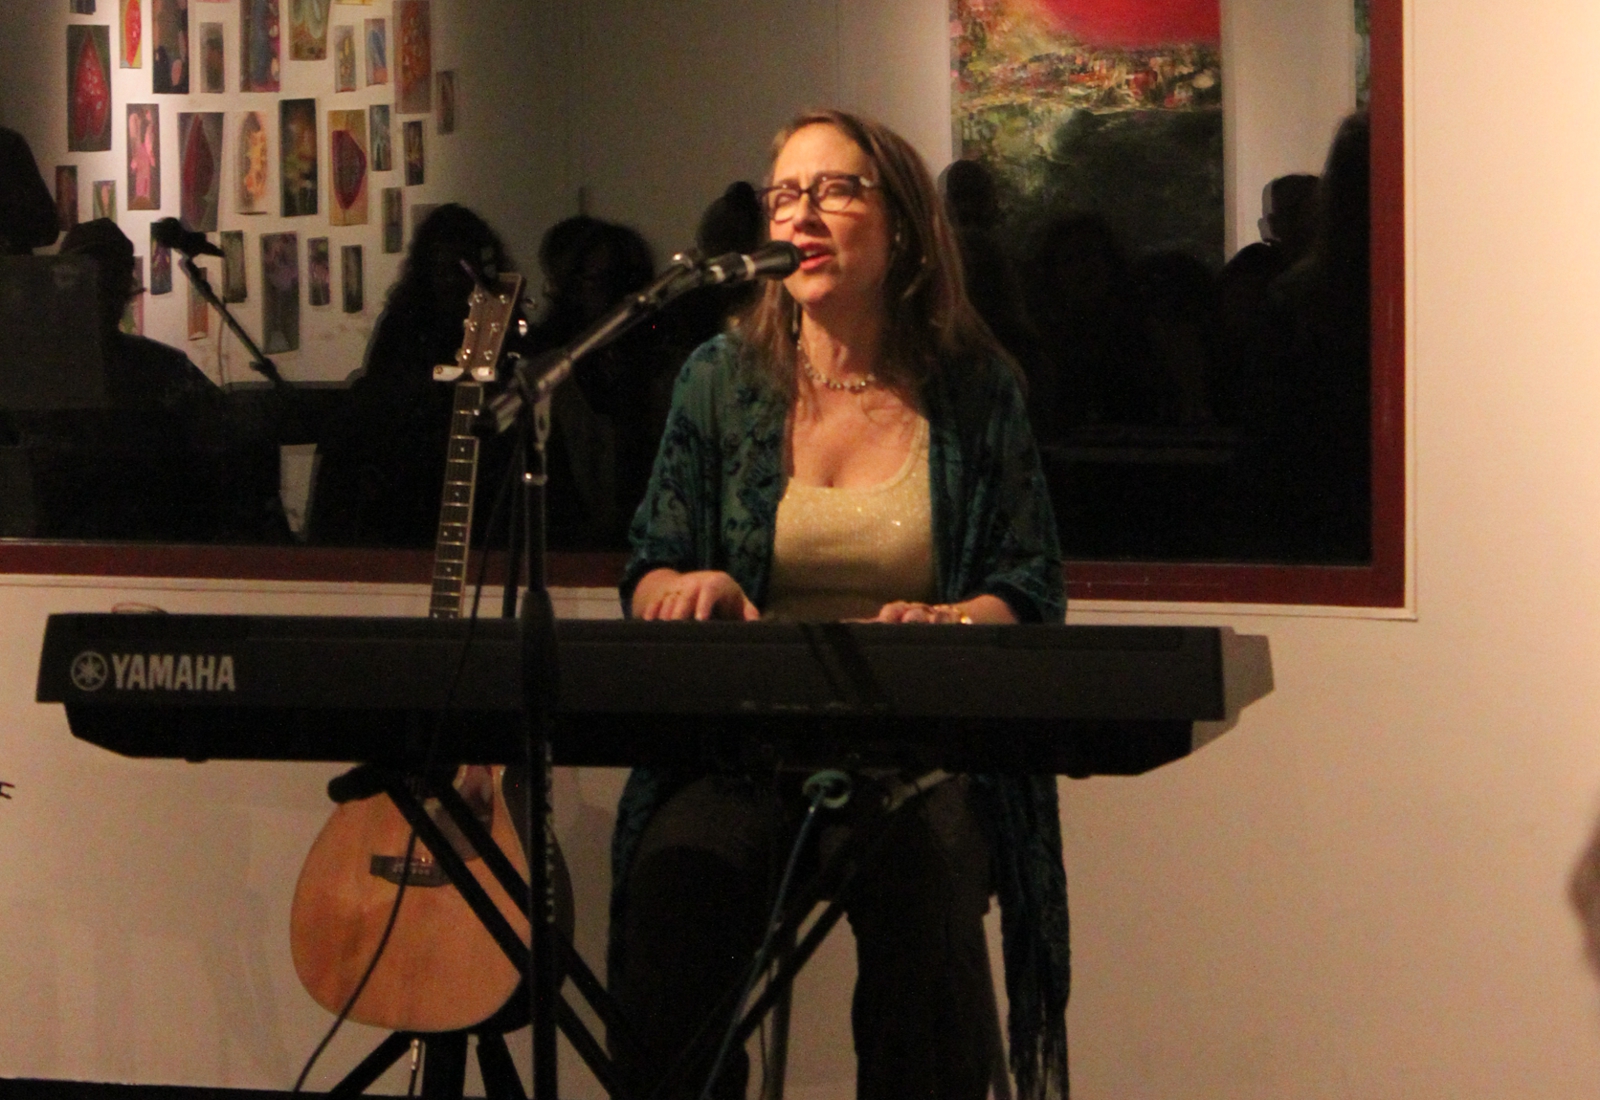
x=699 y=893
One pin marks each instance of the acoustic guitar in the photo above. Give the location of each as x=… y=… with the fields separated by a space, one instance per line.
x=440 y=971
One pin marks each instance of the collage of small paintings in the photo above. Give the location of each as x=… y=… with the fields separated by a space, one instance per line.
x=389 y=44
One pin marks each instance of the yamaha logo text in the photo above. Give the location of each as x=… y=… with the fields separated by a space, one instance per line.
x=153 y=672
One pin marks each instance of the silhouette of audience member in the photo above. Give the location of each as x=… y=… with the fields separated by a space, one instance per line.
x=606 y=422
x=734 y=222
x=381 y=465
x=27 y=210
x=993 y=286
x=1319 y=443
x=1177 y=309
x=153 y=464
x=1093 y=367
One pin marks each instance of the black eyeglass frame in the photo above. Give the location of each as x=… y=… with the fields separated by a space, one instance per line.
x=859 y=186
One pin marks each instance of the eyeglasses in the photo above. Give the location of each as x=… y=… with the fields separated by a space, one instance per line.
x=830 y=192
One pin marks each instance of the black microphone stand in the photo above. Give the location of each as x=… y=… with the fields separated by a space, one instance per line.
x=258 y=361
x=525 y=404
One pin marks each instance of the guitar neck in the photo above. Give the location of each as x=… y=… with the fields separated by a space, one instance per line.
x=455 y=505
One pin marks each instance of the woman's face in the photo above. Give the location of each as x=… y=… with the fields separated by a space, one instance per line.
x=845 y=255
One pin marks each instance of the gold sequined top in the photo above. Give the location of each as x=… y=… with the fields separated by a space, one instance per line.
x=844 y=553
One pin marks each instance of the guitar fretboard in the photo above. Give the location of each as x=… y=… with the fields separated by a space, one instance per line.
x=455 y=507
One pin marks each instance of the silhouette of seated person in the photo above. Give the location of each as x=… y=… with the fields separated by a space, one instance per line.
x=27 y=211
x=152 y=465
x=993 y=286
x=1094 y=368
x=606 y=420
x=381 y=462
x=1317 y=375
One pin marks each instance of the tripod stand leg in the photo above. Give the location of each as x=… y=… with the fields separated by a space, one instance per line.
x=500 y=1080
x=374 y=1065
x=444 y=1066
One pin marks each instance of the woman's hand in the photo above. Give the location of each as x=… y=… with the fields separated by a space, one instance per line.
x=979 y=609
x=704 y=594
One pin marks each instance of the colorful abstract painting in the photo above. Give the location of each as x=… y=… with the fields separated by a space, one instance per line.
x=234 y=288
x=66 y=196
x=160 y=267
x=212 y=58
x=254 y=160
x=382 y=146
x=347 y=167
x=351 y=278
x=1107 y=107
x=413 y=57
x=319 y=278
x=144 y=156
x=308 y=30
x=132 y=321
x=280 y=292
x=297 y=156
x=169 y=47
x=88 y=89
x=377 y=35
x=105 y=199
x=199 y=315
x=200 y=168
x=416 y=160
x=393 y=226
x=130 y=30
x=260 y=46
x=447 y=102
x=344 y=59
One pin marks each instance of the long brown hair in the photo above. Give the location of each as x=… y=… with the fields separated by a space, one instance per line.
x=930 y=320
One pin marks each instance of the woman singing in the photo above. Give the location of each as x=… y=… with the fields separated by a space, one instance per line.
x=857 y=447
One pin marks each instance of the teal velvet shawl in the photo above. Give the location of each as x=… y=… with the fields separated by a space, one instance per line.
x=713 y=503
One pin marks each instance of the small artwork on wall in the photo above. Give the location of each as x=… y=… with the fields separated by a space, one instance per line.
x=253 y=162
x=377 y=51
x=144 y=156
x=382 y=149
x=393 y=207
x=297 y=156
x=82 y=7
x=88 y=89
x=260 y=50
x=233 y=277
x=318 y=274
x=212 y=58
x=200 y=168
x=66 y=196
x=308 y=30
x=199 y=314
x=280 y=292
x=414 y=57
x=160 y=267
x=350 y=278
x=347 y=167
x=447 y=102
x=169 y=47
x=130 y=30
x=105 y=199
x=415 y=163
x=133 y=313
x=344 y=59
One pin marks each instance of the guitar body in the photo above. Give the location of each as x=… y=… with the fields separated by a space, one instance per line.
x=441 y=971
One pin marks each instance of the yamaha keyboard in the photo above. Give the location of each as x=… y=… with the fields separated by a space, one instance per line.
x=1074 y=700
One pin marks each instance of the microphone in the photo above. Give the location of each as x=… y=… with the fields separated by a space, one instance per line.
x=172 y=233
x=773 y=260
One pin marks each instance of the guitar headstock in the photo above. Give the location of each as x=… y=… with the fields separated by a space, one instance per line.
x=490 y=314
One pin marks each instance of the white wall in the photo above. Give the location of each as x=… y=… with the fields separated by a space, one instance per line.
x=1357 y=893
